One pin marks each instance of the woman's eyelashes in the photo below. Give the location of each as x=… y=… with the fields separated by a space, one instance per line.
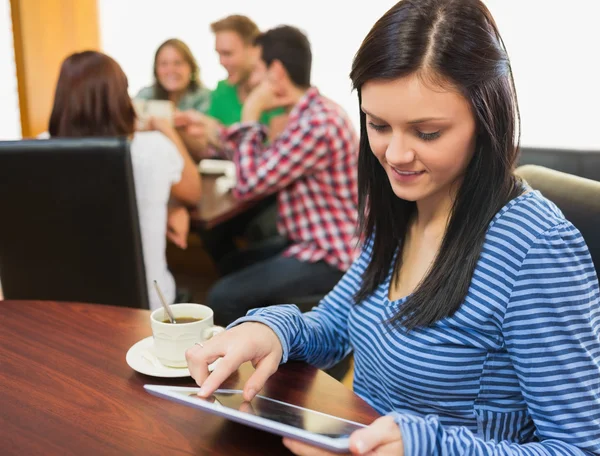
x=425 y=136
x=428 y=136
x=378 y=127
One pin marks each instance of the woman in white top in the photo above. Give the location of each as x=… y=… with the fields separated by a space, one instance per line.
x=91 y=99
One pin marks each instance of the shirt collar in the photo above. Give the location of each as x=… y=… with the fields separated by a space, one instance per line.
x=309 y=97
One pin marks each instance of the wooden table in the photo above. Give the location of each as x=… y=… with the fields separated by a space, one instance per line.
x=215 y=207
x=65 y=389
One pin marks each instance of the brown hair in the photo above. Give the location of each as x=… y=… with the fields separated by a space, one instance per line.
x=160 y=93
x=291 y=47
x=91 y=98
x=242 y=25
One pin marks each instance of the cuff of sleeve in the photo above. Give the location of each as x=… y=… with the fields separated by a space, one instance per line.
x=418 y=433
x=257 y=319
x=243 y=127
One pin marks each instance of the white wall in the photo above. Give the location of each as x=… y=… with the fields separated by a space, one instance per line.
x=10 y=122
x=554 y=50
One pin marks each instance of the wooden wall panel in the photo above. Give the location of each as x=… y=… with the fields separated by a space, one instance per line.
x=45 y=32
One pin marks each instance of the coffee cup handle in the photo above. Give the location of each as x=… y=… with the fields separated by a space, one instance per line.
x=209 y=333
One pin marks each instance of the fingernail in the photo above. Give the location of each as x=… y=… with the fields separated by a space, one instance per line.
x=202 y=392
x=360 y=446
x=251 y=393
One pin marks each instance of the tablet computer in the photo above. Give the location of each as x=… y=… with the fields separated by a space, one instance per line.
x=281 y=418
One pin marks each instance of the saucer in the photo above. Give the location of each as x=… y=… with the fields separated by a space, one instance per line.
x=141 y=358
x=216 y=167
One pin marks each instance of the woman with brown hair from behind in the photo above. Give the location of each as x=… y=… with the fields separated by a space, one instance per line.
x=91 y=100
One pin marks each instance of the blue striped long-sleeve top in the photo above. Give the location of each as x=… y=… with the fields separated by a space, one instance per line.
x=516 y=370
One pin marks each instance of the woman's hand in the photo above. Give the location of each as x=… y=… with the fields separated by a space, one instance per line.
x=161 y=124
x=200 y=127
x=382 y=438
x=178 y=226
x=247 y=342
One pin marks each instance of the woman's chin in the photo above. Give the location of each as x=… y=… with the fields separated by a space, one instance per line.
x=174 y=87
x=407 y=193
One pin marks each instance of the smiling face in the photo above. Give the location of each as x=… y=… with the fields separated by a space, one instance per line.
x=423 y=135
x=172 y=70
x=237 y=57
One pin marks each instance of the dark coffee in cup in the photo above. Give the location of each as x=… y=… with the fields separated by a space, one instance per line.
x=180 y=320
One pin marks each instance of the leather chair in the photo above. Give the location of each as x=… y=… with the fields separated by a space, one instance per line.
x=578 y=199
x=583 y=163
x=70 y=228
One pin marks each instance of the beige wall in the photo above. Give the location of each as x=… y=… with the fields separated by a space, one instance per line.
x=45 y=32
x=10 y=124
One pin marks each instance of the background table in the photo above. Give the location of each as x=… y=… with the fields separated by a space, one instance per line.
x=216 y=207
x=65 y=389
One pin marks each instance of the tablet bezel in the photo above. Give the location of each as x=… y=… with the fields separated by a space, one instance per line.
x=338 y=445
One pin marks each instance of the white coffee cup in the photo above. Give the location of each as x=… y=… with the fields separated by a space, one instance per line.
x=172 y=340
x=144 y=109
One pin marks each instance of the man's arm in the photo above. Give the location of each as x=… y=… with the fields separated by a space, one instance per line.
x=200 y=133
x=264 y=169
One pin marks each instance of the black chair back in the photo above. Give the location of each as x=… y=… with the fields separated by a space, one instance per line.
x=69 y=229
x=583 y=163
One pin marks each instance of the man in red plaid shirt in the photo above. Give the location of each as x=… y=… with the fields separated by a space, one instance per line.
x=311 y=166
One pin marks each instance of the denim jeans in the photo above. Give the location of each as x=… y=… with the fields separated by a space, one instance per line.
x=254 y=225
x=261 y=276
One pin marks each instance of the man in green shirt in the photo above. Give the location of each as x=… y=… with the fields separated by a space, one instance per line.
x=226 y=105
x=234 y=42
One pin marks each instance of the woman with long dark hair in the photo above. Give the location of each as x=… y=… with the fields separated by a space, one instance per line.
x=473 y=309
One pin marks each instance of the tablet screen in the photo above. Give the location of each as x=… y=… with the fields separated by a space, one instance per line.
x=281 y=412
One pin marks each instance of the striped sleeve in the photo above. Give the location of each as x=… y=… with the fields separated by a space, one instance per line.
x=551 y=330
x=319 y=337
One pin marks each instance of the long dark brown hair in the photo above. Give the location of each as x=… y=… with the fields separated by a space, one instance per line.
x=455 y=41
x=91 y=98
x=160 y=93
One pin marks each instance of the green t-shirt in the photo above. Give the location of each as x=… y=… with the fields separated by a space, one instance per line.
x=226 y=107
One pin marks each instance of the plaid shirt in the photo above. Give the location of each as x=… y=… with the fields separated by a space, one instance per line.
x=312 y=166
